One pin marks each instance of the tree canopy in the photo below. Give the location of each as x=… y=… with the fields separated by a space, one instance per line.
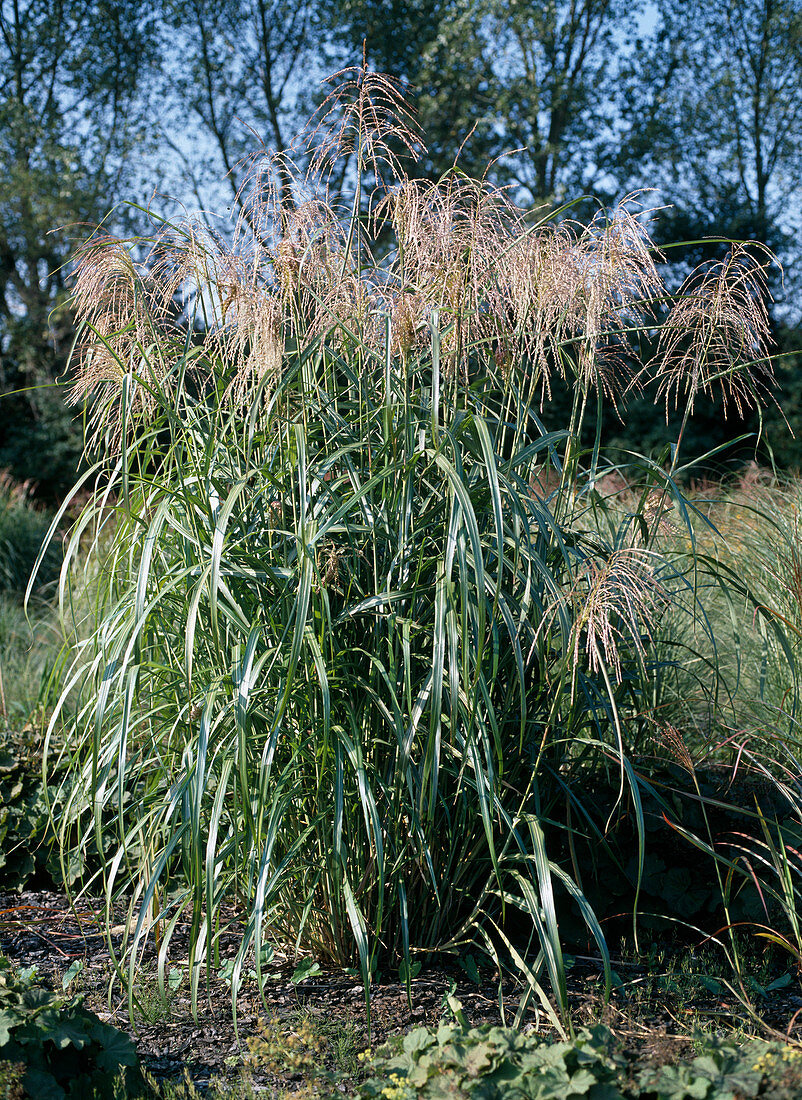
x=102 y=100
x=72 y=105
x=711 y=114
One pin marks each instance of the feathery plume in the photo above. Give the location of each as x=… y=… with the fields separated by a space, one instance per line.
x=126 y=337
x=716 y=335
x=615 y=605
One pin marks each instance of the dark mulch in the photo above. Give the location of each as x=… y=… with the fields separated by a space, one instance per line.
x=40 y=929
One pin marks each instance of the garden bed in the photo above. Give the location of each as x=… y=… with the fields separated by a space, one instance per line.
x=661 y=1000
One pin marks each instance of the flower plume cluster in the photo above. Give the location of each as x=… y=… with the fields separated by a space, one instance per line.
x=531 y=300
x=716 y=336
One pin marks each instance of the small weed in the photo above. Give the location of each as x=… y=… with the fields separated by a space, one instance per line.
x=73 y=977
x=151 y=1006
x=186 y=1089
x=322 y=1051
x=343 y=1040
x=283 y=1052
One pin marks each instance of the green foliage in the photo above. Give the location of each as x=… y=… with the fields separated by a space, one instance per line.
x=495 y=1063
x=726 y=1071
x=66 y=1051
x=26 y=835
x=23 y=527
x=30 y=806
x=676 y=804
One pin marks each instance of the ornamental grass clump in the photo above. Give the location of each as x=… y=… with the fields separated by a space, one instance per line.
x=368 y=633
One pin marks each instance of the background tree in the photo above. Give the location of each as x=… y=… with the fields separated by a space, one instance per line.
x=71 y=110
x=556 y=67
x=441 y=50
x=492 y=76
x=249 y=72
x=706 y=107
x=710 y=114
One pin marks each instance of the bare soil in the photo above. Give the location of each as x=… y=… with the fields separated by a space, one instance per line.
x=39 y=928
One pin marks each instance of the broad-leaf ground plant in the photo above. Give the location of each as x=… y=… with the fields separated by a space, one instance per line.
x=374 y=655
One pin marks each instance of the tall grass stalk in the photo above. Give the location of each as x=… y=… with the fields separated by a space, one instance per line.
x=368 y=634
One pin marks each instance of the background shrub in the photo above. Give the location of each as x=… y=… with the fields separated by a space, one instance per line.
x=23 y=527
